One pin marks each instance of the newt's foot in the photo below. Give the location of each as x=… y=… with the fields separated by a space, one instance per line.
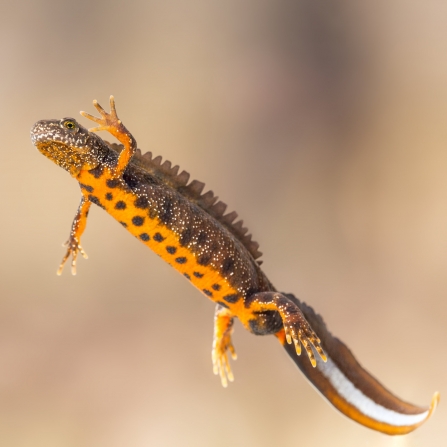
x=298 y=330
x=73 y=249
x=219 y=355
x=108 y=121
x=296 y=327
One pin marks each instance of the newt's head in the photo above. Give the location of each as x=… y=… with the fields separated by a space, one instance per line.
x=68 y=144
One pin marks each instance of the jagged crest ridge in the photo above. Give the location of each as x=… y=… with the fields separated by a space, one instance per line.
x=193 y=191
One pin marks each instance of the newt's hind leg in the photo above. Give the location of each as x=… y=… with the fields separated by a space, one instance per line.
x=296 y=327
x=111 y=123
x=223 y=328
x=74 y=241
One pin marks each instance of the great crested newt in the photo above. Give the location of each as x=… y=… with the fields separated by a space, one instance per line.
x=191 y=232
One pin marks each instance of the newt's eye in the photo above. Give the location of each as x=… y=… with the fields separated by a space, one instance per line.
x=69 y=124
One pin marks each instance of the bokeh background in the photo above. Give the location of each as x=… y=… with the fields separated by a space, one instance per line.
x=322 y=122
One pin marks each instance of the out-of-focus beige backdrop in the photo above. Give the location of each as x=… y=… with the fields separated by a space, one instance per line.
x=323 y=123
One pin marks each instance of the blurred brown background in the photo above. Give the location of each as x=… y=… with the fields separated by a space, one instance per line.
x=323 y=123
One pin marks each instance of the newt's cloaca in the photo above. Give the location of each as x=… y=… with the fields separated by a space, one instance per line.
x=191 y=232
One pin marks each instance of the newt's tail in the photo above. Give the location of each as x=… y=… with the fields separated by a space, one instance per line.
x=351 y=389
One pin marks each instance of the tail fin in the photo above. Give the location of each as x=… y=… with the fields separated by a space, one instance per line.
x=351 y=389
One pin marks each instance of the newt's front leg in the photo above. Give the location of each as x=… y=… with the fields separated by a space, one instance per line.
x=111 y=123
x=73 y=243
x=223 y=328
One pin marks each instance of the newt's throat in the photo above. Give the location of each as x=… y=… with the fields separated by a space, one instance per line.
x=71 y=159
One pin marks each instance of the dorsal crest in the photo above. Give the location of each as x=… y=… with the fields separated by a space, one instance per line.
x=193 y=190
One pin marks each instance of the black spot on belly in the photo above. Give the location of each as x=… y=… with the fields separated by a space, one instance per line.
x=88 y=188
x=113 y=183
x=233 y=298
x=120 y=205
x=186 y=276
x=181 y=260
x=227 y=266
x=138 y=221
x=204 y=259
x=207 y=292
x=123 y=224
x=97 y=172
x=198 y=274
x=144 y=237
x=109 y=196
x=141 y=202
x=167 y=212
x=171 y=250
x=185 y=237
x=158 y=237
x=95 y=200
x=216 y=287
